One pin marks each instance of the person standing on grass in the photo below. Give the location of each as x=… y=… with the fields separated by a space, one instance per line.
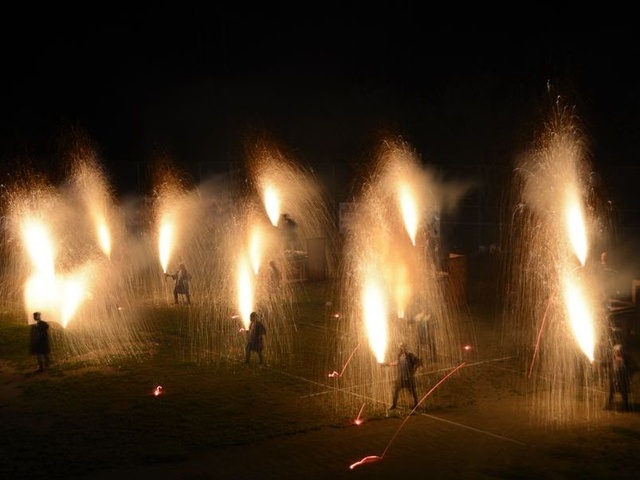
x=255 y=341
x=620 y=370
x=182 y=278
x=39 y=342
x=407 y=363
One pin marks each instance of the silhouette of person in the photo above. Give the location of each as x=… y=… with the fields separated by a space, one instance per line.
x=39 y=342
x=620 y=371
x=407 y=363
x=255 y=334
x=182 y=278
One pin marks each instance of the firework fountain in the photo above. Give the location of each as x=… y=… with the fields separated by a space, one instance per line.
x=63 y=259
x=556 y=311
x=73 y=257
x=390 y=275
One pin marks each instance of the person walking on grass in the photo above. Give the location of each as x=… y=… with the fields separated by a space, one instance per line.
x=255 y=341
x=407 y=363
x=39 y=342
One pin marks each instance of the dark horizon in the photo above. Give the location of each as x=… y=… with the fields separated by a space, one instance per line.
x=177 y=84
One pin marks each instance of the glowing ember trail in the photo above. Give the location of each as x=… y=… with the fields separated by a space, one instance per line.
x=375 y=313
x=375 y=458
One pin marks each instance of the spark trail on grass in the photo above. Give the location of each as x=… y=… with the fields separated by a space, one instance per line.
x=335 y=374
x=375 y=458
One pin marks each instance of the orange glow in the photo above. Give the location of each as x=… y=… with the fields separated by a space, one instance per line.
x=104 y=238
x=73 y=293
x=245 y=292
x=409 y=211
x=157 y=391
x=575 y=225
x=255 y=249
x=165 y=240
x=375 y=313
x=402 y=289
x=37 y=239
x=580 y=317
x=271 y=204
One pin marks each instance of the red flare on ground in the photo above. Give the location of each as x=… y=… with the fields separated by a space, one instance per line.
x=369 y=459
x=358 y=420
x=157 y=391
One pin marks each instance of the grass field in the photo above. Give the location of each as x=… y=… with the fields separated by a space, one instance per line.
x=85 y=416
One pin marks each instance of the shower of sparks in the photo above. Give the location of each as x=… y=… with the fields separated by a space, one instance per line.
x=90 y=263
x=390 y=271
x=556 y=224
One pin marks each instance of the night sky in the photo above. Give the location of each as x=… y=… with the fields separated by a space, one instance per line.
x=194 y=84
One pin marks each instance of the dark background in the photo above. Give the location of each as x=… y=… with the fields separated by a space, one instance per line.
x=195 y=84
